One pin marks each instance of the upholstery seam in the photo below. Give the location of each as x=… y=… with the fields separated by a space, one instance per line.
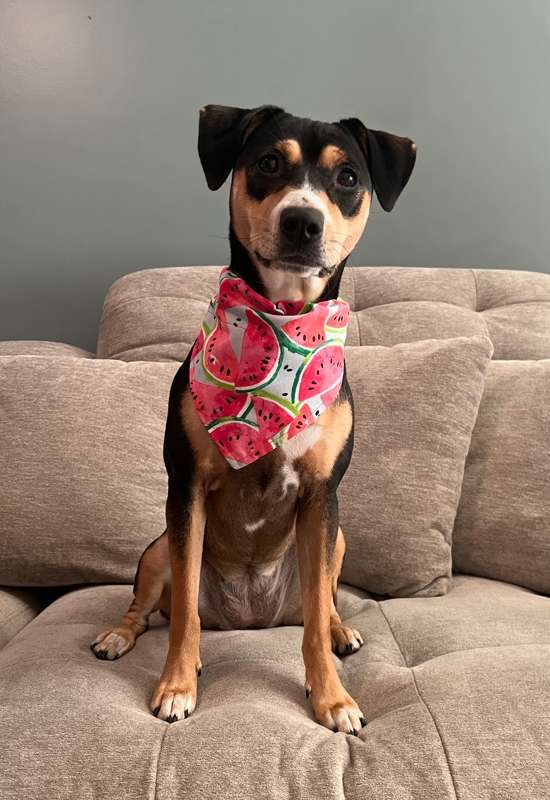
x=405 y=664
x=434 y=723
x=155 y=795
x=436 y=726
x=474 y=276
x=5 y=621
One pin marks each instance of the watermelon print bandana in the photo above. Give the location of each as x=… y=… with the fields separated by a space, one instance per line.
x=261 y=372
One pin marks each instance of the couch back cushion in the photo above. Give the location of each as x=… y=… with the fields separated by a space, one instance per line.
x=84 y=485
x=83 y=480
x=415 y=408
x=502 y=528
x=154 y=314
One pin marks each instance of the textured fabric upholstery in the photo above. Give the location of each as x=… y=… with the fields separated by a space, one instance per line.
x=455 y=689
x=83 y=481
x=155 y=313
x=502 y=529
x=32 y=348
x=17 y=608
x=415 y=407
x=98 y=426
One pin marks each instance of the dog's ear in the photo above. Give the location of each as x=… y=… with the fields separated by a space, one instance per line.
x=223 y=130
x=390 y=160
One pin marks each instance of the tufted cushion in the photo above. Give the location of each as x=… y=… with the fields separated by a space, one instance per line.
x=502 y=529
x=34 y=348
x=456 y=691
x=17 y=609
x=155 y=314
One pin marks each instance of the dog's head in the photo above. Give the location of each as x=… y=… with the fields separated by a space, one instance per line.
x=301 y=190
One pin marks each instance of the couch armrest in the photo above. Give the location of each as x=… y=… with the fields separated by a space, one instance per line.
x=17 y=608
x=30 y=347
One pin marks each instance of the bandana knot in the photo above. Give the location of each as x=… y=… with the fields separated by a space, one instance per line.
x=262 y=372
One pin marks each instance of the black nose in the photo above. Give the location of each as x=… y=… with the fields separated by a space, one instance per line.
x=301 y=226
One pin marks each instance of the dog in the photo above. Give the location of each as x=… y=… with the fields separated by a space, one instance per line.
x=261 y=546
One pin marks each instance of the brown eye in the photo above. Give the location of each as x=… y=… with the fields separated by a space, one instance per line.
x=268 y=164
x=347 y=178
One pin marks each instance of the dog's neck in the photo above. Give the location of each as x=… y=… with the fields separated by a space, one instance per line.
x=280 y=284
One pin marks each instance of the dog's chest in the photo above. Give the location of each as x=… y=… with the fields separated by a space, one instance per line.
x=251 y=517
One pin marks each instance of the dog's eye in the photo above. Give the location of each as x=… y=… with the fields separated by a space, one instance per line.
x=268 y=164
x=346 y=177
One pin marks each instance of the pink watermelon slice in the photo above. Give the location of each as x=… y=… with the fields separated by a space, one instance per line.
x=271 y=416
x=304 y=418
x=212 y=402
x=339 y=319
x=240 y=441
x=308 y=330
x=235 y=292
x=331 y=394
x=321 y=373
x=219 y=359
x=260 y=354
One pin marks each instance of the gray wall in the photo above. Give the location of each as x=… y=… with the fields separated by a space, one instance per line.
x=98 y=168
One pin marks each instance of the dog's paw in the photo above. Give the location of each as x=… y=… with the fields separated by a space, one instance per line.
x=338 y=714
x=173 y=701
x=113 y=644
x=345 y=640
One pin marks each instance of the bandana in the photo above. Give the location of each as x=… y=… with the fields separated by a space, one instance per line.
x=262 y=372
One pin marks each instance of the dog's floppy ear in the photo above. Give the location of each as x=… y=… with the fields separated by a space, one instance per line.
x=390 y=160
x=223 y=130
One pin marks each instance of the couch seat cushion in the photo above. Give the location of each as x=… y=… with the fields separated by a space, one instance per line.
x=456 y=690
x=17 y=608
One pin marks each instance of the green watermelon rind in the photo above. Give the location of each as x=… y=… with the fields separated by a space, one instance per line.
x=283 y=339
x=279 y=400
x=337 y=334
x=219 y=422
x=210 y=426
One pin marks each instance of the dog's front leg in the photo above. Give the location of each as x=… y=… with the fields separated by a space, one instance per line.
x=316 y=531
x=175 y=696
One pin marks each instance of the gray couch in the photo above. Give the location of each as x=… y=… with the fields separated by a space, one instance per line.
x=447 y=515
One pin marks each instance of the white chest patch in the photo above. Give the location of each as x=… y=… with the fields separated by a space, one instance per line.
x=290 y=478
x=250 y=527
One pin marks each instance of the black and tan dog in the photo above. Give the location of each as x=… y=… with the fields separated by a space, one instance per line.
x=261 y=546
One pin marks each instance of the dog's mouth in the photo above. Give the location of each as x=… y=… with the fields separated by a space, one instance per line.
x=290 y=261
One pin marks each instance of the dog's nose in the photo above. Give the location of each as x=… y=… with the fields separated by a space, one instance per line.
x=301 y=226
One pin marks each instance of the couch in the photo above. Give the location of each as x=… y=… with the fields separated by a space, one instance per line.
x=455 y=680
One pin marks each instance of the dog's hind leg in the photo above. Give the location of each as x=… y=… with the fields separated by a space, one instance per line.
x=152 y=576
x=344 y=640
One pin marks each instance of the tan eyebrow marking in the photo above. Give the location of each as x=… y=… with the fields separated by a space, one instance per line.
x=331 y=156
x=291 y=150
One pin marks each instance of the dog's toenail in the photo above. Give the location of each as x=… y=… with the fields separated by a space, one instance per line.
x=186 y=712
x=156 y=711
x=335 y=729
x=199 y=671
x=363 y=722
x=172 y=718
x=308 y=692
